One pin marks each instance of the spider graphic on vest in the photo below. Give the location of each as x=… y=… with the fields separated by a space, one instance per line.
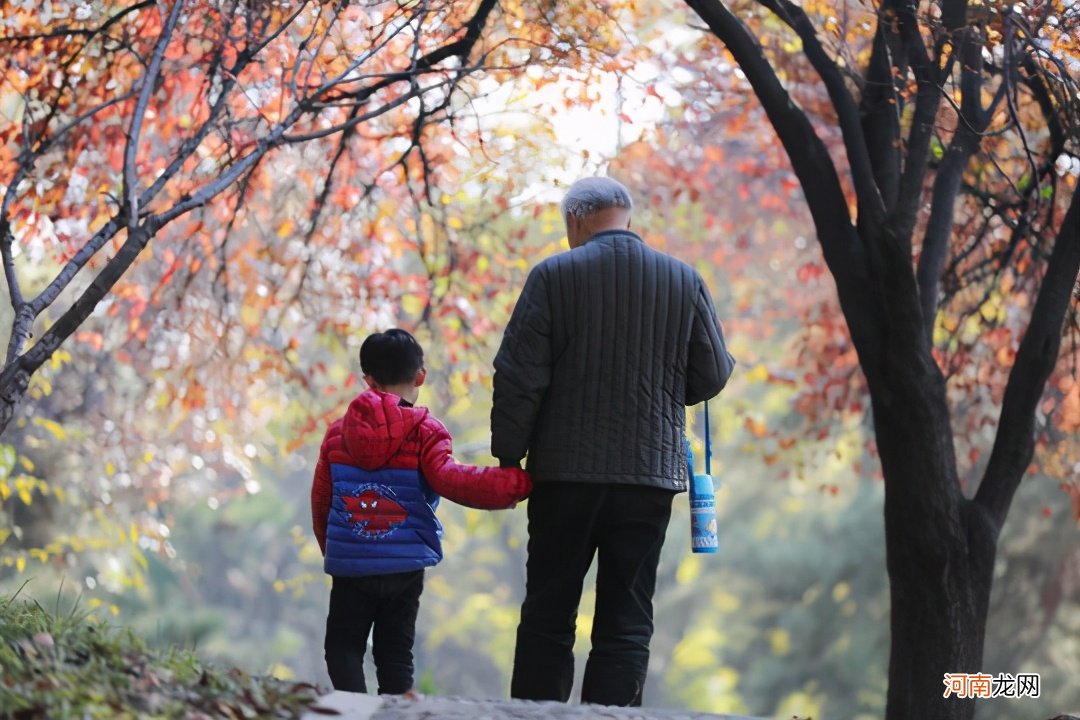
x=373 y=512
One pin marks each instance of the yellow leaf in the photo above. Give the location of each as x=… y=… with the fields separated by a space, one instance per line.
x=281 y=672
x=725 y=602
x=250 y=316
x=780 y=640
x=688 y=570
x=52 y=426
x=58 y=359
x=759 y=374
x=285 y=228
x=5 y=533
x=412 y=304
x=840 y=591
x=20 y=564
x=110 y=468
x=27 y=463
x=460 y=406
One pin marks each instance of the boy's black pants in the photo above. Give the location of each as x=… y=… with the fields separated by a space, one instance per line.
x=568 y=523
x=390 y=603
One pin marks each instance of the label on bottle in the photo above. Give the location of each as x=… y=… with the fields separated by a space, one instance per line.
x=703 y=526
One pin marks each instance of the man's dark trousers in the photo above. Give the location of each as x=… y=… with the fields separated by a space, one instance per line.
x=390 y=603
x=569 y=522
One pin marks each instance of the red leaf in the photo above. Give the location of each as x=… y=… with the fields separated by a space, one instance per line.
x=809 y=271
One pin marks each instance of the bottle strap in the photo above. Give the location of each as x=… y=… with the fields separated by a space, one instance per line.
x=708 y=442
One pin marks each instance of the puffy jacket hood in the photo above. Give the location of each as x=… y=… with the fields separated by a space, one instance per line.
x=376 y=425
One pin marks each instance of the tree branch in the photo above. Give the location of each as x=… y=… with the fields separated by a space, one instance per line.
x=460 y=49
x=84 y=305
x=935 y=246
x=1035 y=360
x=870 y=202
x=74 y=265
x=131 y=150
x=65 y=31
x=881 y=105
x=927 y=104
x=358 y=119
x=844 y=254
x=7 y=240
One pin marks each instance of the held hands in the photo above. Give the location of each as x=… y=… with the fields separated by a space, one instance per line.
x=520 y=485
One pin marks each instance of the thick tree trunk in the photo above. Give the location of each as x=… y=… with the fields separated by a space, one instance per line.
x=938 y=580
x=940 y=546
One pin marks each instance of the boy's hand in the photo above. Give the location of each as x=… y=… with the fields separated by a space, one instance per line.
x=521 y=485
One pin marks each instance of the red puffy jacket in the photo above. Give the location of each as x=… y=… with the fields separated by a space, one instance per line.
x=378 y=432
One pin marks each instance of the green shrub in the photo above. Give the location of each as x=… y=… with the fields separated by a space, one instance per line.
x=57 y=665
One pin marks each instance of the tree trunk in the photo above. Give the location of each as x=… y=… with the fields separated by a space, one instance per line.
x=939 y=547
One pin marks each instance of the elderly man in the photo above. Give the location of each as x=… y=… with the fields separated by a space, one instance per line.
x=606 y=346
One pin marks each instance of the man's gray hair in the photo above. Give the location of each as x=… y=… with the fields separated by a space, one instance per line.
x=591 y=194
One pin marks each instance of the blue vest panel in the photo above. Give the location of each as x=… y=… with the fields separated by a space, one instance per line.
x=381 y=522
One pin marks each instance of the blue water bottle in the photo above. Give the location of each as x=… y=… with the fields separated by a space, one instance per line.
x=703 y=537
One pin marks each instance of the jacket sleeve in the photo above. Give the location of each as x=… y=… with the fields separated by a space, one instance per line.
x=322 y=495
x=710 y=364
x=522 y=371
x=486 y=488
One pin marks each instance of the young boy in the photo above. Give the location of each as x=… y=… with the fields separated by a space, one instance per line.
x=381 y=470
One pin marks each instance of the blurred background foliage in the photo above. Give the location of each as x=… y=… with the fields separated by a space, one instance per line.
x=790 y=617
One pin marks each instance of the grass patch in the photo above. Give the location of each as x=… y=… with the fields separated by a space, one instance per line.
x=71 y=665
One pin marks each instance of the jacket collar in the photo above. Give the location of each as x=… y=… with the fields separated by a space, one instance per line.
x=604 y=234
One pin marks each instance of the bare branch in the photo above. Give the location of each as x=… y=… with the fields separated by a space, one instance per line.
x=947 y=182
x=460 y=49
x=65 y=31
x=871 y=204
x=362 y=118
x=150 y=77
x=74 y=265
x=1035 y=359
x=7 y=240
x=844 y=253
x=881 y=104
x=927 y=102
x=84 y=305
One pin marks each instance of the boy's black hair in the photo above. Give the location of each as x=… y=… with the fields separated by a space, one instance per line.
x=392 y=357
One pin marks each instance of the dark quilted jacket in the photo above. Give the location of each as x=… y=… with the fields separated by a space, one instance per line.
x=606 y=346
